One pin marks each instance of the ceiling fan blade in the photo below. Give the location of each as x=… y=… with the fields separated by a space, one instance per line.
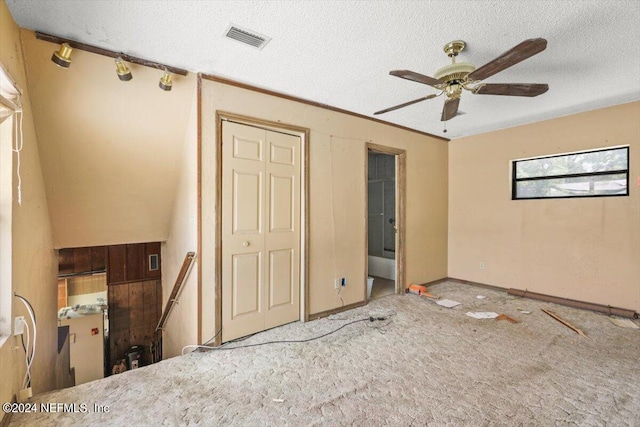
x=511 y=57
x=415 y=101
x=416 y=77
x=512 y=89
x=450 y=109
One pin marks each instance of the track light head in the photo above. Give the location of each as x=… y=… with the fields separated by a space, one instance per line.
x=124 y=73
x=62 y=58
x=165 y=81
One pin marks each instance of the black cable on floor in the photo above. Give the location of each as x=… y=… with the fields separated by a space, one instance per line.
x=366 y=319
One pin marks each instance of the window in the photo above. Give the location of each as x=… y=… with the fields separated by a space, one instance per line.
x=594 y=173
x=8 y=97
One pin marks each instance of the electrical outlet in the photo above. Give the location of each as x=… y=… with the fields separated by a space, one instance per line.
x=25 y=394
x=336 y=284
x=481 y=265
x=18 y=326
x=343 y=281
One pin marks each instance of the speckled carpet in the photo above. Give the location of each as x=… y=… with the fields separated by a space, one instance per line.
x=425 y=365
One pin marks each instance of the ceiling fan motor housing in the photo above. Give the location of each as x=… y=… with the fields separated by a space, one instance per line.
x=454 y=77
x=455 y=72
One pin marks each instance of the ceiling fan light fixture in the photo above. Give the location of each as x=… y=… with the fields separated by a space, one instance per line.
x=124 y=73
x=62 y=58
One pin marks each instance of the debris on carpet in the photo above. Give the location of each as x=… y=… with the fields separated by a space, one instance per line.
x=564 y=322
x=624 y=323
x=482 y=314
x=447 y=303
x=508 y=318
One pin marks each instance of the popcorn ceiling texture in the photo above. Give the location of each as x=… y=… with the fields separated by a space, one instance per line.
x=428 y=365
x=340 y=53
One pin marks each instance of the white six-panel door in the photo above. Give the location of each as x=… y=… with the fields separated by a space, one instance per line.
x=260 y=229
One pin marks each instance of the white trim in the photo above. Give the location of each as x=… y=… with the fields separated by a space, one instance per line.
x=6 y=212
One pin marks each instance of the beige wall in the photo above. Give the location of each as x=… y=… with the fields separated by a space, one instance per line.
x=182 y=325
x=337 y=178
x=583 y=249
x=108 y=148
x=34 y=264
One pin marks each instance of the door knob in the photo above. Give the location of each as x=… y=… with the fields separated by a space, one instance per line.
x=245 y=244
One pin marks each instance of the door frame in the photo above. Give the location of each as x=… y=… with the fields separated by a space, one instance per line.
x=401 y=188
x=303 y=133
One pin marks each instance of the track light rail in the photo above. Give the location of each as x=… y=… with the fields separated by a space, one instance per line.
x=109 y=53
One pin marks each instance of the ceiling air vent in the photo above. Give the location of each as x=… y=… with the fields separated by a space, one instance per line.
x=247 y=36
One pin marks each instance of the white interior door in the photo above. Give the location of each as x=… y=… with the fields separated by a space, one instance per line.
x=260 y=229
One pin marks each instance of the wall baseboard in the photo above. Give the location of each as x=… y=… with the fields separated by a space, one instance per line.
x=433 y=282
x=600 y=308
x=607 y=309
x=336 y=310
x=481 y=285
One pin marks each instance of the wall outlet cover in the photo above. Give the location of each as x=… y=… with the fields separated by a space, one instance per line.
x=25 y=394
x=18 y=325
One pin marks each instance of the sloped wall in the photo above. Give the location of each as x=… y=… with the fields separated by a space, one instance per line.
x=584 y=249
x=108 y=148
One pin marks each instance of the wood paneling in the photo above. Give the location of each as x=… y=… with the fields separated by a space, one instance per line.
x=116 y=262
x=150 y=314
x=134 y=269
x=98 y=258
x=65 y=261
x=134 y=311
x=81 y=260
x=118 y=297
x=130 y=263
x=81 y=285
x=62 y=293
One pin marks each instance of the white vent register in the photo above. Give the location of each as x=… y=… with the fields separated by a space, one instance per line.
x=246 y=36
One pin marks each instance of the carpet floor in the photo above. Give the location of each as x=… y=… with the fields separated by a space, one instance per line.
x=424 y=365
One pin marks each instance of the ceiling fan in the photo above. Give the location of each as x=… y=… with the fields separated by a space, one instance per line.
x=453 y=78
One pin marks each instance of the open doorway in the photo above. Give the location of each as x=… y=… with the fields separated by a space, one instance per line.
x=385 y=220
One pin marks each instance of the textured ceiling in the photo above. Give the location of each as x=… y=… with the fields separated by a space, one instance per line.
x=340 y=52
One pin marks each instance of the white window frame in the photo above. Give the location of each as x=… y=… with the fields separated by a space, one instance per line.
x=549 y=177
x=9 y=105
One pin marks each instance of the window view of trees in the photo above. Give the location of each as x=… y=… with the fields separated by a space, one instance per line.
x=594 y=173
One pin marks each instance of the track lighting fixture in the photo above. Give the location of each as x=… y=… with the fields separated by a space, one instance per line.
x=124 y=73
x=165 y=81
x=62 y=58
